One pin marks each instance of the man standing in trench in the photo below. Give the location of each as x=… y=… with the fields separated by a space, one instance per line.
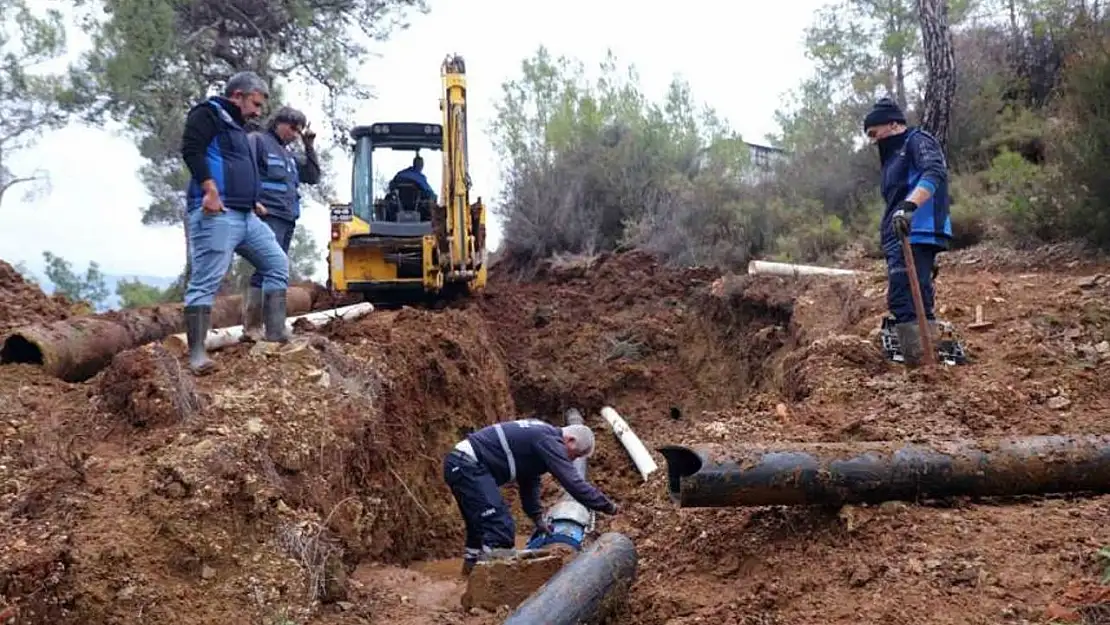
x=915 y=190
x=221 y=206
x=281 y=172
x=520 y=451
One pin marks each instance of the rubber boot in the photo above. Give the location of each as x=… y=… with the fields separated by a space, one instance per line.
x=196 y=329
x=468 y=566
x=909 y=339
x=273 y=310
x=252 y=314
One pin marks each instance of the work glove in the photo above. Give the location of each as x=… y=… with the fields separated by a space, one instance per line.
x=542 y=526
x=902 y=215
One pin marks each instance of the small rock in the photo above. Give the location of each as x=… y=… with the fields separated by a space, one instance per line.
x=781 y=410
x=126 y=592
x=1059 y=402
x=346 y=606
x=860 y=576
x=1088 y=282
x=207 y=572
x=254 y=425
x=1103 y=347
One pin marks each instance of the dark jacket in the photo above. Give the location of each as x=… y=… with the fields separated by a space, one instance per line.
x=282 y=172
x=215 y=145
x=537 y=448
x=410 y=174
x=911 y=159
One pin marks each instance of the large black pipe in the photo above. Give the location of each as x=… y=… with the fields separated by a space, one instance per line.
x=587 y=589
x=839 y=473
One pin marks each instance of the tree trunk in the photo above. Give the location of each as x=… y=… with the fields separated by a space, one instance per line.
x=940 y=62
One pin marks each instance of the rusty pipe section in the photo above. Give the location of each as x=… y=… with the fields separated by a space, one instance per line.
x=586 y=589
x=77 y=348
x=873 y=472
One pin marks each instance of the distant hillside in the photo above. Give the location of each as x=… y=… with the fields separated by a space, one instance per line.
x=110 y=280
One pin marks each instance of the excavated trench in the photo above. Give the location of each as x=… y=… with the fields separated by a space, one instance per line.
x=288 y=470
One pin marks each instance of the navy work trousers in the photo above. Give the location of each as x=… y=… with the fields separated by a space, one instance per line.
x=488 y=522
x=899 y=297
x=283 y=232
x=212 y=241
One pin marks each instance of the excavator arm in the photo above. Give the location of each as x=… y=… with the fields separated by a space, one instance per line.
x=464 y=222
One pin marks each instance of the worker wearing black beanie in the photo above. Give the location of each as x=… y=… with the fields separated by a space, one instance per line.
x=915 y=191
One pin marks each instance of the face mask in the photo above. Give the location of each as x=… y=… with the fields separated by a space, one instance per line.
x=889 y=146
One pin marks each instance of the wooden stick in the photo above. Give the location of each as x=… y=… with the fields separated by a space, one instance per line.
x=918 y=305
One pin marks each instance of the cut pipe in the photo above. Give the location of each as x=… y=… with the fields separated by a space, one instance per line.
x=77 y=348
x=645 y=464
x=790 y=269
x=223 y=337
x=587 y=589
x=840 y=473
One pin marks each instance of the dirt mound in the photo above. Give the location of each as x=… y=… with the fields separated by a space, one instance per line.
x=623 y=329
x=22 y=302
x=253 y=491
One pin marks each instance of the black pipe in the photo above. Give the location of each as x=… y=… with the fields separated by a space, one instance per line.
x=840 y=473
x=586 y=589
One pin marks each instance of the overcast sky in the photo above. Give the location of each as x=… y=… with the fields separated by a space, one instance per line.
x=737 y=57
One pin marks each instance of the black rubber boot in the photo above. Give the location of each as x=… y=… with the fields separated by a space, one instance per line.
x=196 y=329
x=273 y=311
x=909 y=339
x=252 y=314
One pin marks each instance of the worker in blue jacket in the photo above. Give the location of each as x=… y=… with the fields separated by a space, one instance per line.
x=915 y=191
x=282 y=172
x=222 y=207
x=520 y=451
x=414 y=173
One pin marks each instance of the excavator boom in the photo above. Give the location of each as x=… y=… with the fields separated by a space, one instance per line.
x=465 y=223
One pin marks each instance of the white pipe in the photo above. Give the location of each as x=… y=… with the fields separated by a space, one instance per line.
x=222 y=337
x=788 y=269
x=645 y=464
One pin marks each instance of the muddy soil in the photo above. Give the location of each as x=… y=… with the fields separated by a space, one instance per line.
x=22 y=302
x=303 y=485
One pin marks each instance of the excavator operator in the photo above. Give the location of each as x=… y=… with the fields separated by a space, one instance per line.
x=414 y=175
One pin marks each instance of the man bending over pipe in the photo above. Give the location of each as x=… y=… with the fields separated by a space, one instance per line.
x=520 y=451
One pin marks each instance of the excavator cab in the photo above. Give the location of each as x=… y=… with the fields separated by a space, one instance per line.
x=403 y=201
x=404 y=246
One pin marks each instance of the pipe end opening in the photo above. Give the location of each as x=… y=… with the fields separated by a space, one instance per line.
x=681 y=462
x=18 y=350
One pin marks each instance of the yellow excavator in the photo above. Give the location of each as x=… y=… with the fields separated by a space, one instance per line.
x=407 y=246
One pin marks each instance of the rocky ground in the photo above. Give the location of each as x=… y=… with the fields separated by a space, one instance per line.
x=303 y=485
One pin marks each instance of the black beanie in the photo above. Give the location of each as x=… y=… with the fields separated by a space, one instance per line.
x=885 y=111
